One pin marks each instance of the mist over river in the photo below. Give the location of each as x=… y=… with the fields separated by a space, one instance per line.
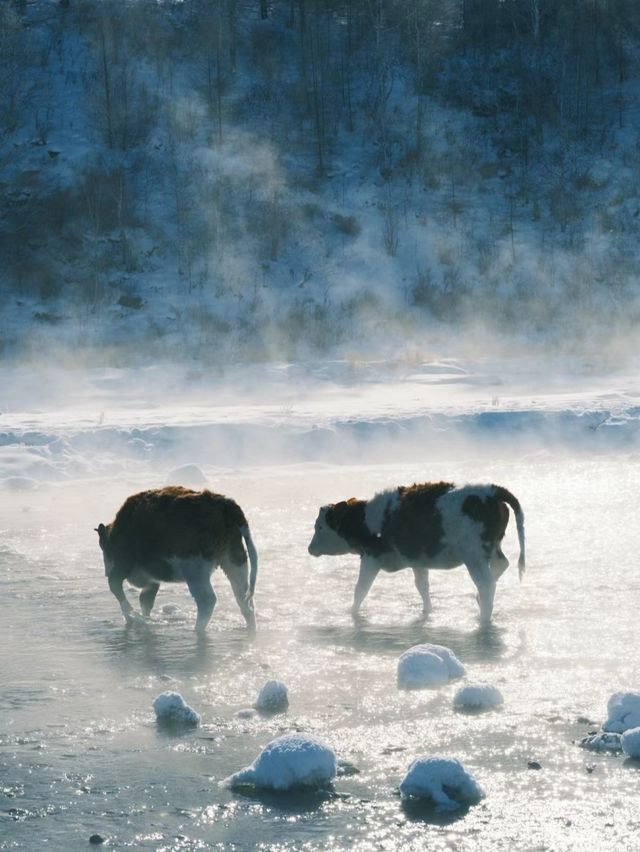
x=80 y=750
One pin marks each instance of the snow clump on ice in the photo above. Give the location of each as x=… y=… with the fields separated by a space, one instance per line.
x=290 y=761
x=631 y=742
x=602 y=741
x=428 y=665
x=272 y=698
x=623 y=709
x=477 y=696
x=443 y=781
x=172 y=709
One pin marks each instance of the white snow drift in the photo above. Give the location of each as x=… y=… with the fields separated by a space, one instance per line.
x=631 y=742
x=288 y=762
x=272 y=698
x=442 y=781
x=171 y=709
x=428 y=665
x=602 y=741
x=623 y=712
x=477 y=696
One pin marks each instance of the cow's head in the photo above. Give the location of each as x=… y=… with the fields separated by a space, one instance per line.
x=331 y=536
x=103 y=539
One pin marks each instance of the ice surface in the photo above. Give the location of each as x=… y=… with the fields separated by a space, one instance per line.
x=623 y=712
x=290 y=761
x=443 y=780
x=631 y=742
x=172 y=709
x=273 y=697
x=602 y=741
x=481 y=696
x=428 y=665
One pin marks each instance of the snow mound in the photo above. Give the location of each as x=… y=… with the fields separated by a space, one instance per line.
x=290 y=761
x=477 y=696
x=602 y=741
x=272 y=698
x=631 y=742
x=443 y=781
x=428 y=665
x=623 y=710
x=172 y=709
x=188 y=475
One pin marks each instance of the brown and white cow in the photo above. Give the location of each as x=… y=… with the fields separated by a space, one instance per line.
x=176 y=535
x=423 y=526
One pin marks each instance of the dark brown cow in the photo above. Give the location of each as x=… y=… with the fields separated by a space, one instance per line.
x=176 y=535
x=432 y=525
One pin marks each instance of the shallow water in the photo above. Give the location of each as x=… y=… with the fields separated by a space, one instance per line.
x=80 y=751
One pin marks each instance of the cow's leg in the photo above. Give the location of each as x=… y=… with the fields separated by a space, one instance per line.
x=368 y=573
x=482 y=576
x=239 y=578
x=499 y=562
x=147 y=598
x=199 y=583
x=421 y=579
x=115 y=584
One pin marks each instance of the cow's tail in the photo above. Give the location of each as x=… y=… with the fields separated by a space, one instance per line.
x=253 y=559
x=508 y=498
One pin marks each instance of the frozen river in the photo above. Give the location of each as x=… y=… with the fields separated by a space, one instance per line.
x=80 y=752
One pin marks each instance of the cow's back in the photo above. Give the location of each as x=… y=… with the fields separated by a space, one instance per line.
x=414 y=526
x=177 y=522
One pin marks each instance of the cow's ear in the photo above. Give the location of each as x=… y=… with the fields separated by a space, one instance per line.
x=101 y=530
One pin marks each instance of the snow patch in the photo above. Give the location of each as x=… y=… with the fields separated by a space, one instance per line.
x=272 y=698
x=288 y=762
x=443 y=781
x=171 y=709
x=477 y=696
x=623 y=709
x=631 y=742
x=428 y=665
x=602 y=741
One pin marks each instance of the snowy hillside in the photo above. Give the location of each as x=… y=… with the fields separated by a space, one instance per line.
x=238 y=180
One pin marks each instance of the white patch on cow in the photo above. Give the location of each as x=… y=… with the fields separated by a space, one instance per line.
x=462 y=535
x=186 y=568
x=326 y=541
x=378 y=507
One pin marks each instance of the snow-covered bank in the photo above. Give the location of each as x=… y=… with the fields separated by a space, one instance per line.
x=106 y=423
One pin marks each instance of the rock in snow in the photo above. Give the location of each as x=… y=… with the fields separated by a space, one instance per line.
x=272 y=698
x=477 y=696
x=443 y=781
x=428 y=665
x=623 y=709
x=602 y=741
x=290 y=761
x=171 y=709
x=631 y=742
